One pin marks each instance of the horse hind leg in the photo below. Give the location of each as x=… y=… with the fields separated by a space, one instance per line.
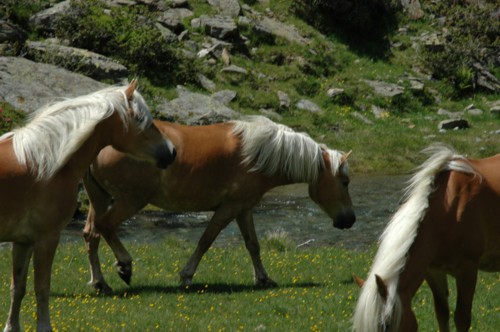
x=466 y=286
x=99 y=203
x=107 y=226
x=92 y=239
x=21 y=255
x=247 y=229
x=439 y=286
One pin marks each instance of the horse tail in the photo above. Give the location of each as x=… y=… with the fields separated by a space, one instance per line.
x=374 y=311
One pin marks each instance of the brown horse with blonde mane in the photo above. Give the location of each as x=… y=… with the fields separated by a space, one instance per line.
x=41 y=165
x=225 y=168
x=448 y=224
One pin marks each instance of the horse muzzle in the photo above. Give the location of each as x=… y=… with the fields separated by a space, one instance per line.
x=344 y=220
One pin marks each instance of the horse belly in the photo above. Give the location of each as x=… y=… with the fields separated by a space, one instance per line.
x=17 y=227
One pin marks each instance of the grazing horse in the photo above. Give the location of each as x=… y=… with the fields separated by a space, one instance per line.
x=225 y=168
x=41 y=165
x=448 y=224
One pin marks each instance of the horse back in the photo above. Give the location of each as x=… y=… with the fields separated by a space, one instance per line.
x=465 y=209
x=207 y=170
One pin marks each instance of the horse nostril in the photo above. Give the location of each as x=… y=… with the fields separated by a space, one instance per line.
x=345 y=220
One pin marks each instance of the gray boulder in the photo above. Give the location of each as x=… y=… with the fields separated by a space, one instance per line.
x=195 y=109
x=385 y=89
x=11 y=33
x=453 y=124
x=27 y=85
x=78 y=60
x=265 y=25
x=229 y=8
x=220 y=27
x=46 y=20
x=172 y=18
x=309 y=106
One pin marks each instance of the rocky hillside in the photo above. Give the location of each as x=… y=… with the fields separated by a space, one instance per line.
x=202 y=61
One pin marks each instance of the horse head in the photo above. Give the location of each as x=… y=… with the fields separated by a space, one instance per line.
x=330 y=190
x=140 y=138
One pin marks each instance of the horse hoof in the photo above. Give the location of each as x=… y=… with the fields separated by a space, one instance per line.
x=101 y=287
x=268 y=282
x=125 y=271
x=186 y=282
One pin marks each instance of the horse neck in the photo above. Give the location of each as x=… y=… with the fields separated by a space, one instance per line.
x=79 y=162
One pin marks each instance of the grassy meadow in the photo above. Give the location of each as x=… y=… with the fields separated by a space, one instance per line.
x=316 y=291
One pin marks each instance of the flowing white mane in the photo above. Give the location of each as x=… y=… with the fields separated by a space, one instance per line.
x=55 y=132
x=372 y=312
x=274 y=148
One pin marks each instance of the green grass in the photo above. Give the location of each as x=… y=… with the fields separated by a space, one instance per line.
x=316 y=291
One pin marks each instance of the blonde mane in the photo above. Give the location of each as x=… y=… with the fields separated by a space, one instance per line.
x=274 y=148
x=372 y=312
x=55 y=132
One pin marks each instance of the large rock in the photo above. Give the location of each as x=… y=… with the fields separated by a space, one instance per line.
x=11 y=33
x=47 y=20
x=309 y=106
x=453 y=124
x=172 y=18
x=229 y=8
x=27 y=85
x=79 y=60
x=220 y=27
x=264 y=25
x=196 y=109
x=385 y=89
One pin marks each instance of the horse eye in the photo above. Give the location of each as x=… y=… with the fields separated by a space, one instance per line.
x=346 y=182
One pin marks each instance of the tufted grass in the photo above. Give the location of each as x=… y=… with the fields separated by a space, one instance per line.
x=316 y=291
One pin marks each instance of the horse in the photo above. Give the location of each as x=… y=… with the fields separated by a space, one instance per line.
x=449 y=224
x=225 y=168
x=41 y=166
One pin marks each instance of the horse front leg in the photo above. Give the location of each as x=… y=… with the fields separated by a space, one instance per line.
x=44 y=253
x=221 y=218
x=439 y=286
x=21 y=255
x=466 y=286
x=247 y=229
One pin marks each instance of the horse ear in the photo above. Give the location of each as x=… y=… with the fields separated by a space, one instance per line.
x=382 y=287
x=360 y=282
x=129 y=92
x=345 y=156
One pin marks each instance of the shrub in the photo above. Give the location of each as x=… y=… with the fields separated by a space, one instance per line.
x=9 y=118
x=19 y=11
x=470 y=39
x=363 y=23
x=124 y=33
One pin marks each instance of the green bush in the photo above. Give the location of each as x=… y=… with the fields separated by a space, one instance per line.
x=126 y=34
x=9 y=118
x=470 y=37
x=364 y=24
x=19 y=11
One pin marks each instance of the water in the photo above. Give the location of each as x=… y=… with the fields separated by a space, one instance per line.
x=287 y=209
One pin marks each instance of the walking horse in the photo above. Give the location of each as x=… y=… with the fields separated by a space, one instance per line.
x=41 y=165
x=448 y=224
x=225 y=168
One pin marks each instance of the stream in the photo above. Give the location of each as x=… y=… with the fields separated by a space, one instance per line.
x=285 y=209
